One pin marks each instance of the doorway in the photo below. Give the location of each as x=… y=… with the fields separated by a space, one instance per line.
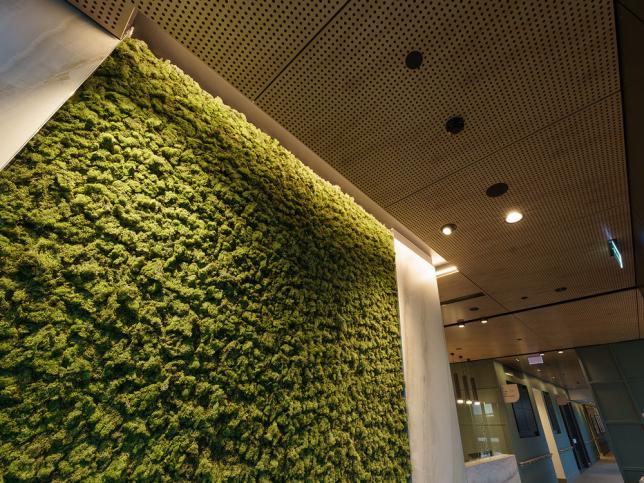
x=576 y=441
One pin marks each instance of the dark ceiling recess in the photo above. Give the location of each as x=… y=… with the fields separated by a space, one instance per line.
x=414 y=59
x=525 y=297
x=474 y=309
x=561 y=289
x=497 y=189
x=455 y=124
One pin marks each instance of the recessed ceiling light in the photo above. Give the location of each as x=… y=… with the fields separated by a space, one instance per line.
x=473 y=309
x=541 y=354
x=525 y=297
x=414 y=59
x=561 y=289
x=460 y=326
x=513 y=216
x=519 y=338
x=497 y=189
x=477 y=403
x=448 y=229
x=517 y=359
x=509 y=374
x=484 y=321
x=455 y=125
x=538 y=370
x=459 y=401
x=468 y=402
x=560 y=352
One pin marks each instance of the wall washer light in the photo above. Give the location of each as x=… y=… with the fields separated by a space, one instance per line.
x=414 y=59
x=444 y=271
x=448 y=229
x=513 y=216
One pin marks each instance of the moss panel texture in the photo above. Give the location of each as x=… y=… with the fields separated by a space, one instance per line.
x=182 y=299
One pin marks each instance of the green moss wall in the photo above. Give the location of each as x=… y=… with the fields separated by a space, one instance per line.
x=181 y=299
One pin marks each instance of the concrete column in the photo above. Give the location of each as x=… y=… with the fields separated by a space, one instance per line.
x=434 y=436
x=47 y=50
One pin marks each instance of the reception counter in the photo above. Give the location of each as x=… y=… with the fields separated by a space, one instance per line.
x=501 y=468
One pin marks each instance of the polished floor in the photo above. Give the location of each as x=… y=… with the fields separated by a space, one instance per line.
x=604 y=471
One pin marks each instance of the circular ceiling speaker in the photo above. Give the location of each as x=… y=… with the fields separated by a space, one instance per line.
x=497 y=189
x=414 y=59
x=455 y=125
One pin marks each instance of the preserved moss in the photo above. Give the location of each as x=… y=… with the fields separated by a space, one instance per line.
x=182 y=299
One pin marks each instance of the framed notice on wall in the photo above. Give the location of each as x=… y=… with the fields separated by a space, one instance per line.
x=510 y=393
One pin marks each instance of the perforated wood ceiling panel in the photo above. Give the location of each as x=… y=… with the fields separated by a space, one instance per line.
x=597 y=320
x=569 y=180
x=499 y=337
x=248 y=42
x=482 y=306
x=455 y=285
x=510 y=68
x=113 y=15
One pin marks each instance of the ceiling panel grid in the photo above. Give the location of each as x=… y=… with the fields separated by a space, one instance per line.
x=500 y=336
x=597 y=320
x=569 y=180
x=510 y=68
x=247 y=42
x=474 y=308
x=112 y=15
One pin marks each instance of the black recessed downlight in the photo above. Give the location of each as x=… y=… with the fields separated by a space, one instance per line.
x=474 y=309
x=455 y=124
x=414 y=59
x=561 y=289
x=497 y=189
x=525 y=297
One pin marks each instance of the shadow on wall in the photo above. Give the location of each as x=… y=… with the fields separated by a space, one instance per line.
x=182 y=299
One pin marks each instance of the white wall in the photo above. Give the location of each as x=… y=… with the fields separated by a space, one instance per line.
x=47 y=50
x=435 y=440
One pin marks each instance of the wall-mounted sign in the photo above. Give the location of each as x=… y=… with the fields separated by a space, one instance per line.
x=510 y=393
x=532 y=360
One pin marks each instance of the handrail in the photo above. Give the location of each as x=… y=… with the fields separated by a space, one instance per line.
x=535 y=459
x=563 y=450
